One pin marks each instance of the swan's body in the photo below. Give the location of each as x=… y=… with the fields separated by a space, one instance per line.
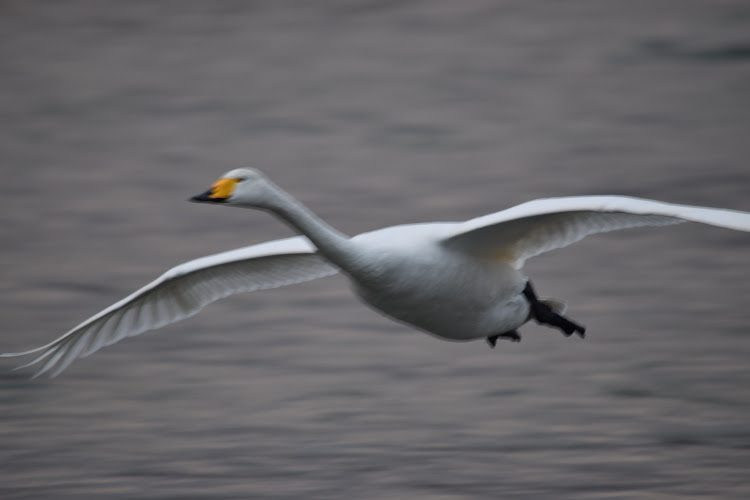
x=458 y=281
x=408 y=275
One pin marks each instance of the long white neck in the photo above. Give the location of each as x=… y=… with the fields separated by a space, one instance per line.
x=332 y=244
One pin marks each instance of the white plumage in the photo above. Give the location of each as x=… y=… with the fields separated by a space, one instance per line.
x=458 y=281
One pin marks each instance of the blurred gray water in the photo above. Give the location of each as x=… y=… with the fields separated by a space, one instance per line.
x=374 y=113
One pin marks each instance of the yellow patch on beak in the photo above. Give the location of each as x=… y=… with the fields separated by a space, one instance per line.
x=223 y=188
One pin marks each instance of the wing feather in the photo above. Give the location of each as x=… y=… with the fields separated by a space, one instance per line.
x=183 y=291
x=538 y=226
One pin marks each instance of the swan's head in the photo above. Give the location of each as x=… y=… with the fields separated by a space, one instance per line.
x=242 y=186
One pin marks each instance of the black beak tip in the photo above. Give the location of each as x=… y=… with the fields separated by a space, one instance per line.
x=205 y=198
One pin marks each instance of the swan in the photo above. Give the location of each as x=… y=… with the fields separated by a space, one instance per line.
x=458 y=281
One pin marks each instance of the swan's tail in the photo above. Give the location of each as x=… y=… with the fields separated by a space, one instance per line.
x=557 y=306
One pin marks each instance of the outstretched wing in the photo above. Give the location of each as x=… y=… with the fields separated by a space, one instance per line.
x=183 y=291
x=538 y=226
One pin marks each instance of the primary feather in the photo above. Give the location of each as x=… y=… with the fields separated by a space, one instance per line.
x=183 y=291
x=538 y=226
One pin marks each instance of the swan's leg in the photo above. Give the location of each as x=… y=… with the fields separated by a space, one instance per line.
x=512 y=335
x=542 y=313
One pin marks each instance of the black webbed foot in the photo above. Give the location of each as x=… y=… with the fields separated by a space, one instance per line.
x=512 y=335
x=544 y=315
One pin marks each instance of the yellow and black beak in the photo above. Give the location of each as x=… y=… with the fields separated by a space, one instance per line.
x=219 y=192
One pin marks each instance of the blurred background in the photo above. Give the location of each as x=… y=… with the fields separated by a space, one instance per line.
x=374 y=113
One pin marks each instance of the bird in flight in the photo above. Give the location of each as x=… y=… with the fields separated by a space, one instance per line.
x=458 y=281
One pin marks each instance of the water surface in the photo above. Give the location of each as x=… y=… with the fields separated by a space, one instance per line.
x=374 y=113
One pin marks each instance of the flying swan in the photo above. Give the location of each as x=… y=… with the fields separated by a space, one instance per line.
x=459 y=281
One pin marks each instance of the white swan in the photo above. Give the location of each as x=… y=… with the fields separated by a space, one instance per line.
x=458 y=281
